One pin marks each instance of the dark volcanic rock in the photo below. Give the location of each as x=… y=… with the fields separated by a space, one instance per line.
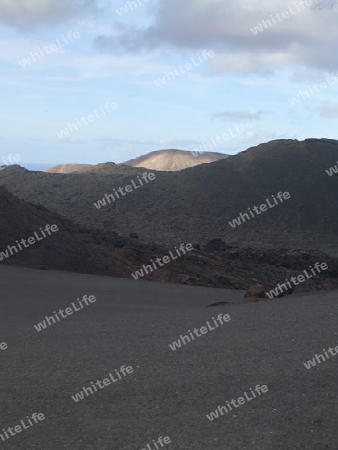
x=196 y=204
x=77 y=249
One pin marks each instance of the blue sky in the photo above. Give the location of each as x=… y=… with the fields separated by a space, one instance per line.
x=117 y=57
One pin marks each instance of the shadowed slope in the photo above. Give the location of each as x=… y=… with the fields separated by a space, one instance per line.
x=195 y=205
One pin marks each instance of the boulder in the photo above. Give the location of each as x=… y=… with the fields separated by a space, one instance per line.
x=257 y=290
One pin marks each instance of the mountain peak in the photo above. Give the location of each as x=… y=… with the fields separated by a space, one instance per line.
x=172 y=160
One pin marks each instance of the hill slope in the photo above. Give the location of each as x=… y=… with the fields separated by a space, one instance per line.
x=195 y=205
x=76 y=249
x=67 y=168
x=173 y=160
x=163 y=160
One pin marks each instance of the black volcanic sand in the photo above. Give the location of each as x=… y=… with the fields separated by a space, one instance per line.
x=170 y=392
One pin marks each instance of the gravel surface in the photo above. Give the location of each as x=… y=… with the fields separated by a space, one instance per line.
x=169 y=393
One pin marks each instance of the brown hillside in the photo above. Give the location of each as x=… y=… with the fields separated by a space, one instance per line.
x=174 y=160
x=67 y=168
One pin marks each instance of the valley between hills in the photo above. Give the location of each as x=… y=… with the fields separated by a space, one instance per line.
x=207 y=206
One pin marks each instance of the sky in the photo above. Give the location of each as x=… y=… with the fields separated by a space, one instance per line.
x=86 y=81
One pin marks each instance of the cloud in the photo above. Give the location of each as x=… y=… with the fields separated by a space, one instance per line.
x=329 y=112
x=307 y=76
x=258 y=136
x=239 y=115
x=26 y=14
x=169 y=143
x=304 y=40
x=74 y=141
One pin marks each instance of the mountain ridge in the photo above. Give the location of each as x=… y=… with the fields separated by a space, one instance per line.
x=197 y=204
x=161 y=160
x=174 y=160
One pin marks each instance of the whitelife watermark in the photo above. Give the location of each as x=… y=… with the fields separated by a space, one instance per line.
x=71 y=127
x=184 y=248
x=183 y=340
x=120 y=373
x=322 y=6
x=285 y=15
x=206 y=146
x=300 y=278
x=166 y=440
x=241 y=219
x=332 y=170
x=7 y=433
x=13 y=159
x=48 y=49
x=130 y=6
x=313 y=362
x=68 y=312
x=49 y=229
x=182 y=69
x=308 y=93
x=146 y=177
x=260 y=390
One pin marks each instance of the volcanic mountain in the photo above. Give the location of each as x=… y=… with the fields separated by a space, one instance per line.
x=67 y=168
x=163 y=160
x=77 y=249
x=196 y=205
x=173 y=160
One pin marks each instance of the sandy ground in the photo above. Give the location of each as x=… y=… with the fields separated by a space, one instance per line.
x=170 y=392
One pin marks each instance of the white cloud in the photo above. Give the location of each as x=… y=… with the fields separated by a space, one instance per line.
x=239 y=115
x=304 y=40
x=24 y=14
x=327 y=111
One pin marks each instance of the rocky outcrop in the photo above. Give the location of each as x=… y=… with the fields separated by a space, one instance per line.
x=256 y=290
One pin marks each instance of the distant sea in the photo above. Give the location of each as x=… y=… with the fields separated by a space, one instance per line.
x=36 y=166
